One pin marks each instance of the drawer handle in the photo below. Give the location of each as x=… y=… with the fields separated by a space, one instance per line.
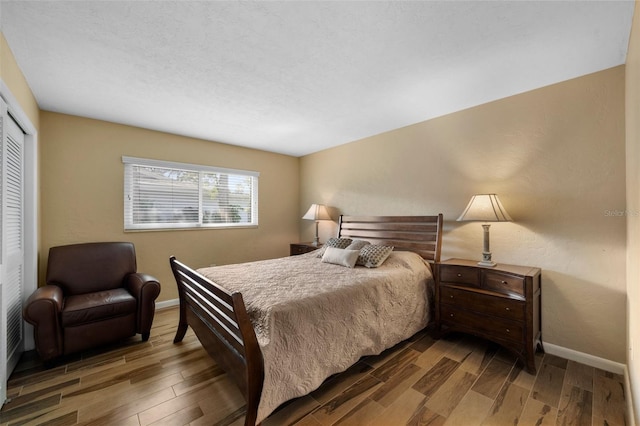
x=503 y=282
x=451 y=315
x=459 y=275
x=508 y=331
x=508 y=309
x=451 y=296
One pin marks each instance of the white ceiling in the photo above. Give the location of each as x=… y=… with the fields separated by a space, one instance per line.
x=298 y=77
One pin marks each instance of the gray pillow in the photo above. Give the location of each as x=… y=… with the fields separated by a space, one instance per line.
x=357 y=244
x=373 y=256
x=334 y=242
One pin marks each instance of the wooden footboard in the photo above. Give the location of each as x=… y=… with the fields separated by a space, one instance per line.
x=220 y=321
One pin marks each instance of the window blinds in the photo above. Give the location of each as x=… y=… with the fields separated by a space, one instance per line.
x=166 y=195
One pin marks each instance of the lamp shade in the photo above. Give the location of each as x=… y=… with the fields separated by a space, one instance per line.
x=317 y=212
x=485 y=208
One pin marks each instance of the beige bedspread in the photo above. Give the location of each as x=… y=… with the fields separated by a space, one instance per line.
x=314 y=319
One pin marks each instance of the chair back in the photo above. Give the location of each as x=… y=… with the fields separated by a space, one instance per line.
x=89 y=267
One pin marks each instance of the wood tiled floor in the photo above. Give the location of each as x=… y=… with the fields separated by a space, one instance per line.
x=459 y=380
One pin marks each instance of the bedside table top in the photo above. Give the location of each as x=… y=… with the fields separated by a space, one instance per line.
x=307 y=244
x=514 y=269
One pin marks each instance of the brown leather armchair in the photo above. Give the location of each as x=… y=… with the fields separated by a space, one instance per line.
x=93 y=296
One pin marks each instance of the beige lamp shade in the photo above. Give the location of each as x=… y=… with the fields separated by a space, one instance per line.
x=485 y=208
x=317 y=212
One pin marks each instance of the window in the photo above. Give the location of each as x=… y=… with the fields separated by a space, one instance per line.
x=168 y=195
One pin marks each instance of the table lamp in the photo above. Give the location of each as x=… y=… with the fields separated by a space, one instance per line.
x=485 y=208
x=317 y=212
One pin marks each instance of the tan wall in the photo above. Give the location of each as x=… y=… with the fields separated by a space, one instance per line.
x=556 y=158
x=82 y=178
x=12 y=76
x=633 y=207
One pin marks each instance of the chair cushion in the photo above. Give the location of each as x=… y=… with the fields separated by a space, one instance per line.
x=97 y=306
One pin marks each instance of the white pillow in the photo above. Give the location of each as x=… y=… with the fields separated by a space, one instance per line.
x=340 y=257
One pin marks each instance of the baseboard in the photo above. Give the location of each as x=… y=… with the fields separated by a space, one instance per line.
x=603 y=364
x=167 y=303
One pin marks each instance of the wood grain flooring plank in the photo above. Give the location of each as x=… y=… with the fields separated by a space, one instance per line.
x=227 y=393
x=426 y=417
x=422 y=344
x=26 y=398
x=508 y=406
x=376 y=361
x=460 y=351
x=519 y=377
x=337 y=384
x=538 y=413
x=40 y=375
x=122 y=412
x=337 y=407
x=609 y=375
x=548 y=385
x=449 y=395
x=472 y=410
x=396 y=386
x=608 y=399
x=395 y=364
x=194 y=381
x=434 y=378
x=30 y=408
x=402 y=410
x=366 y=413
x=433 y=354
x=180 y=417
x=556 y=361
x=482 y=353
x=306 y=421
x=295 y=412
x=579 y=375
x=68 y=419
x=492 y=378
x=575 y=406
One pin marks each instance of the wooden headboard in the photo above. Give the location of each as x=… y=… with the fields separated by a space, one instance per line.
x=420 y=234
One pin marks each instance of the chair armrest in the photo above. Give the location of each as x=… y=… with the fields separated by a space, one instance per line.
x=42 y=310
x=145 y=288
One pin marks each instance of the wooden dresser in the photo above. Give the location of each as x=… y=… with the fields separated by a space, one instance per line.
x=501 y=304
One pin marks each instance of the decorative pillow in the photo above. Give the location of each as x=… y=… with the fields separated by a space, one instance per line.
x=373 y=256
x=357 y=244
x=341 y=257
x=334 y=242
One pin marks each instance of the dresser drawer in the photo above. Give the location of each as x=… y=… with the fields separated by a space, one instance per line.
x=495 y=326
x=459 y=275
x=504 y=283
x=482 y=303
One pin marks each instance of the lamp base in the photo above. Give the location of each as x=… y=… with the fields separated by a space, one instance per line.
x=486 y=256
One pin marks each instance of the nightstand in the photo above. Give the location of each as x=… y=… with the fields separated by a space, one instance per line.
x=302 y=248
x=501 y=304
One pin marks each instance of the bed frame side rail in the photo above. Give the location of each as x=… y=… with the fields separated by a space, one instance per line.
x=221 y=323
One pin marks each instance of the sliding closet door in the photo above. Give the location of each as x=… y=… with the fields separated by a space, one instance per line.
x=12 y=247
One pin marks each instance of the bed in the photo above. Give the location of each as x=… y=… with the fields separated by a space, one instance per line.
x=280 y=327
